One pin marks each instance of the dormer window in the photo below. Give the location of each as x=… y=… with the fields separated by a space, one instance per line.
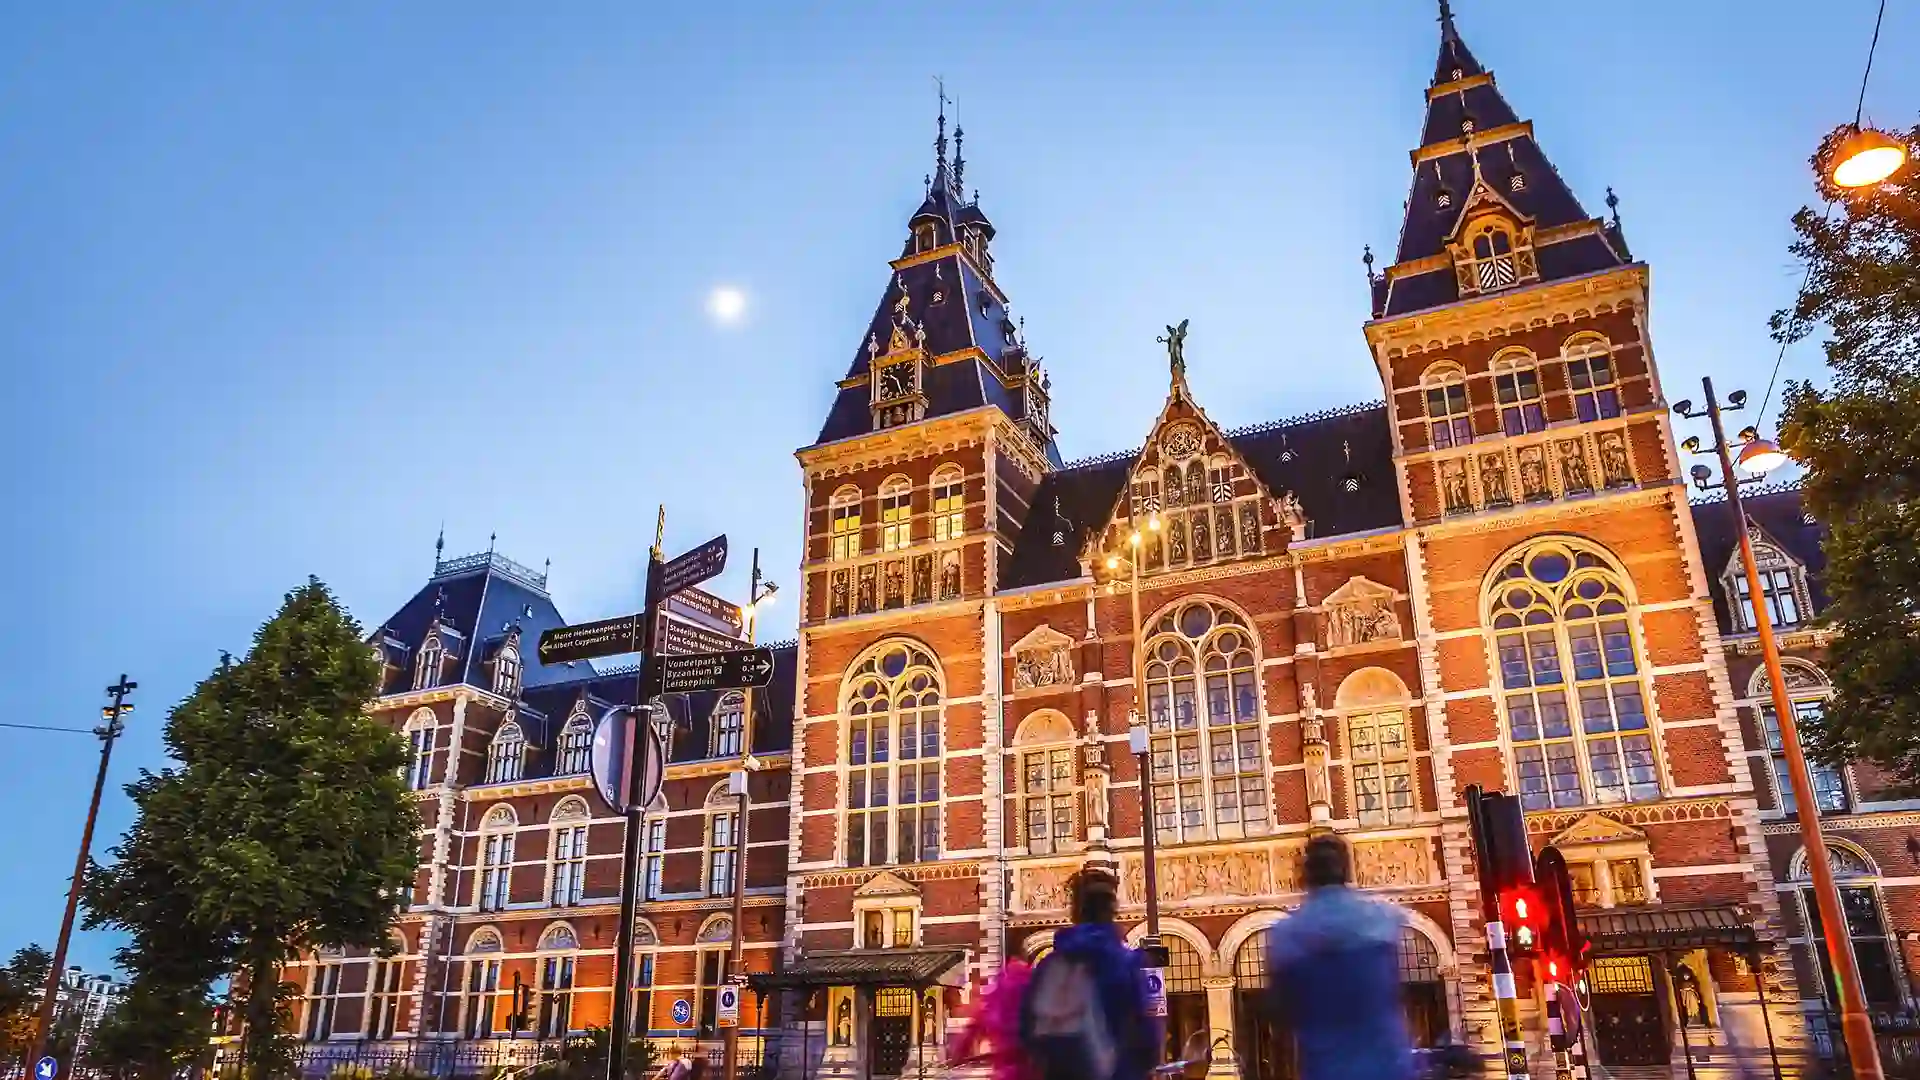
x=427 y=668
x=1779 y=587
x=924 y=237
x=506 y=754
x=506 y=672
x=1493 y=266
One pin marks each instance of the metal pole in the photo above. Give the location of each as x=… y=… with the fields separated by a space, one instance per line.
x=1855 y=1024
x=1766 y=1021
x=1505 y=996
x=622 y=1025
x=740 y=821
x=1150 y=869
x=43 y=1024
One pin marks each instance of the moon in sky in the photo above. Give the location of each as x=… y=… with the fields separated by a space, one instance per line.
x=726 y=304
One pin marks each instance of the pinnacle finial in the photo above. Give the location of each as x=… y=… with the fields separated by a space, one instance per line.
x=492 y=539
x=959 y=153
x=1446 y=21
x=940 y=142
x=439 y=546
x=1613 y=205
x=1366 y=257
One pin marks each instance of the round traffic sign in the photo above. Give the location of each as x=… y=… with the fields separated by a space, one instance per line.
x=683 y=1011
x=46 y=1069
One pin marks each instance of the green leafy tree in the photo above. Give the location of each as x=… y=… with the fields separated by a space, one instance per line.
x=284 y=827
x=153 y=1032
x=1860 y=445
x=22 y=981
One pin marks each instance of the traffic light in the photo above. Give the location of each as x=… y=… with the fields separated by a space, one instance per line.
x=1564 y=941
x=1525 y=918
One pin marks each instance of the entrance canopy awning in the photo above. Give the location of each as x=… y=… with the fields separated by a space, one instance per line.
x=863 y=967
x=1667 y=927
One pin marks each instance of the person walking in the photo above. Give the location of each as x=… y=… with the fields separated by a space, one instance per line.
x=1334 y=973
x=993 y=1033
x=1085 y=1014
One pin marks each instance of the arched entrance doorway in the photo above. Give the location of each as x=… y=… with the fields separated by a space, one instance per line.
x=1264 y=1047
x=1186 y=997
x=1424 y=988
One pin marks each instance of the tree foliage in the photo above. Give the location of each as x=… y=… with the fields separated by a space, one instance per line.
x=284 y=827
x=1860 y=444
x=152 y=1033
x=22 y=981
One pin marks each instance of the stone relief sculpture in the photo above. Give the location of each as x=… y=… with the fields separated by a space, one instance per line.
x=1393 y=863
x=1359 y=612
x=1044 y=888
x=1614 y=470
x=1043 y=658
x=1221 y=873
x=1573 y=466
x=1094 y=787
x=1533 y=473
x=1453 y=482
x=1493 y=480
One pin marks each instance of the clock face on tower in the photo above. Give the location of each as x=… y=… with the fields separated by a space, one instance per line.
x=896 y=381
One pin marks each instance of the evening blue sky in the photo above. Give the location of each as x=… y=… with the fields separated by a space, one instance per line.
x=284 y=287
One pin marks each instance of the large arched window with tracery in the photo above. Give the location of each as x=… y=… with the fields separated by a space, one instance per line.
x=1570 y=678
x=893 y=757
x=1203 y=708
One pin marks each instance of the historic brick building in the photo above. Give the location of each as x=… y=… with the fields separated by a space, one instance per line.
x=1336 y=622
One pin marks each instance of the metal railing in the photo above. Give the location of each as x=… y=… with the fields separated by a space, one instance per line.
x=494 y=1059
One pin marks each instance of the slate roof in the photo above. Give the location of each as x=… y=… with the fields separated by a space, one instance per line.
x=1781 y=514
x=1543 y=198
x=861 y=967
x=1313 y=456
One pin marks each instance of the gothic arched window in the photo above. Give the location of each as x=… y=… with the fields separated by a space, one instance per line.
x=896 y=514
x=728 y=724
x=1596 y=393
x=949 y=503
x=1209 y=780
x=1570 y=678
x=893 y=757
x=433 y=656
x=506 y=753
x=496 y=857
x=1516 y=389
x=843 y=526
x=506 y=671
x=1049 y=782
x=1449 y=421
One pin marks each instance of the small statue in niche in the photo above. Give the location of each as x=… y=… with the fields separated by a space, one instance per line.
x=1453 y=477
x=1223 y=528
x=922 y=579
x=1293 y=514
x=843 y=1023
x=1533 y=473
x=950 y=578
x=1493 y=480
x=1202 y=538
x=1613 y=460
x=1094 y=780
x=866 y=589
x=1573 y=466
x=896 y=585
x=1249 y=528
x=1176 y=540
x=839 y=604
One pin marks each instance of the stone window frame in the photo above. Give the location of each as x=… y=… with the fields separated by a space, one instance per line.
x=1867 y=876
x=423 y=738
x=1770 y=558
x=480 y=984
x=1584 y=348
x=429 y=662
x=895 y=513
x=556 y=976
x=867 y=668
x=506 y=671
x=507 y=752
x=646 y=956
x=949 y=493
x=380 y=1018
x=1519 y=365
x=323 y=1000
x=709 y=943
x=719 y=840
x=573 y=747
x=1442 y=377
x=729 y=718
x=1386 y=696
x=569 y=826
x=1166 y=741
x=493 y=879
x=1603 y=564
x=843 y=524
x=1045 y=734
x=1814 y=687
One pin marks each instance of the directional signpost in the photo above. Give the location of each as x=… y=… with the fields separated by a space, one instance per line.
x=590 y=641
x=730 y=670
x=665 y=580
x=677 y=636
x=701 y=606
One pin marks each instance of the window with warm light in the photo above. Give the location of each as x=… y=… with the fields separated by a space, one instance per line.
x=896 y=515
x=1516 y=389
x=1050 y=793
x=949 y=504
x=1205 y=735
x=1572 y=688
x=844 y=518
x=893 y=757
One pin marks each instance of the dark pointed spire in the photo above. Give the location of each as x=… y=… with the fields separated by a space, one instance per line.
x=1456 y=60
x=940 y=141
x=959 y=156
x=1616 y=235
x=440 y=547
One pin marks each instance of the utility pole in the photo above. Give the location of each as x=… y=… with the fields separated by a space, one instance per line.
x=756 y=595
x=108 y=732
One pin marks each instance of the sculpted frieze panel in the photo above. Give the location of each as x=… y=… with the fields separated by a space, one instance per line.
x=1389 y=864
x=1359 y=612
x=1043 y=658
x=1042 y=888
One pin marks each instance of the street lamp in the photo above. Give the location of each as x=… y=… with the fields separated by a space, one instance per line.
x=1858 y=156
x=759 y=594
x=1137 y=733
x=1855 y=1025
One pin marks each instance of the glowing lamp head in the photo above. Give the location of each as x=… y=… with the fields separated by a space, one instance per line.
x=1134 y=539
x=1865 y=157
x=1762 y=456
x=1153 y=523
x=1113 y=562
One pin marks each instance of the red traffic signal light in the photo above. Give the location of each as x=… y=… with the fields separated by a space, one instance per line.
x=1525 y=918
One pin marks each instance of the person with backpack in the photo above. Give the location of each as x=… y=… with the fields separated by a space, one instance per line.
x=1085 y=1015
x=1334 y=975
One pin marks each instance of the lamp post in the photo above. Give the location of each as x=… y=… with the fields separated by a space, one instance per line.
x=1758 y=454
x=1858 y=156
x=758 y=593
x=108 y=732
x=1137 y=731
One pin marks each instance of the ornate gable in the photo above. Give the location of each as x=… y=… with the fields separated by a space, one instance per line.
x=1043 y=658
x=1598 y=829
x=886 y=883
x=1361 y=612
x=1190 y=495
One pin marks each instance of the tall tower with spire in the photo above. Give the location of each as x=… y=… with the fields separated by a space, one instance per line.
x=1532 y=444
